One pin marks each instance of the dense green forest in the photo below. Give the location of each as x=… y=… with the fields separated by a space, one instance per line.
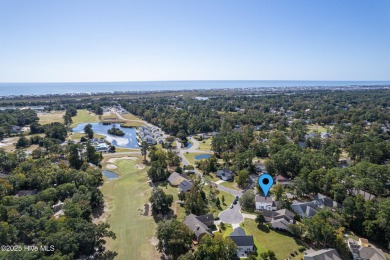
x=336 y=143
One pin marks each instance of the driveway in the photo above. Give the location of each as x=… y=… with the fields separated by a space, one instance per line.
x=232 y=216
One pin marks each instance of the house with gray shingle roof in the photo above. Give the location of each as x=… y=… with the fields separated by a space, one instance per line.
x=245 y=243
x=360 y=252
x=197 y=226
x=323 y=254
x=185 y=186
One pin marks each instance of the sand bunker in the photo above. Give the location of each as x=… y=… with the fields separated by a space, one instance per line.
x=111 y=166
x=112 y=160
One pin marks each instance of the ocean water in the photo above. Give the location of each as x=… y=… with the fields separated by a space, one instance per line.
x=11 y=89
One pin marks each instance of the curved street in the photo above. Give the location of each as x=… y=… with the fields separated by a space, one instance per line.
x=232 y=216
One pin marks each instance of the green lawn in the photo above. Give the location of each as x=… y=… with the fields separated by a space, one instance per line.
x=191 y=157
x=316 y=128
x=132 y=124
x=84 y=116
x=168 y=189
x=130 y=117
x=126 y=198
x=51 y=117
x=266 y=239
x=230 y=184
x=206 y=146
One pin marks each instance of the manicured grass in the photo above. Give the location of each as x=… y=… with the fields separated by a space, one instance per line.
x=132 y=124
x=84 y=116
x=126 y=197
x=231 y=185
x=281 y=243
x=191 y=157
x=228 y=229
x=130 y=117
x=316 y=128
x=168 y=189
x=51 y=117
x=206 y=146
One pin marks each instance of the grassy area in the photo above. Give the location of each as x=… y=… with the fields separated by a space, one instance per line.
x=130 y=117
x=51 y=117
x=77 y=136
x=316 y=128
x=230 y=184
x=206 y=146
x=132 y=124
x=191 y=157
x=8 y=144
x=266 y=239
x=84 y=116
x=227 y=230
x=126 y=197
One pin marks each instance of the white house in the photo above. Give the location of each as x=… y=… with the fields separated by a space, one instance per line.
x=266 y=203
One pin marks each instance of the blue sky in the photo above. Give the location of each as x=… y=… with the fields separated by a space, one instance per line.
x=93 y=40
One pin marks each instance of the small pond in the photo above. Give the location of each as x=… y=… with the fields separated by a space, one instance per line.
x=110 y=174
x=129 y=140
x=202 y=156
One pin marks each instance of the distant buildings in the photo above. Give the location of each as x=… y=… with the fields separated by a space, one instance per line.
x=323 y=254
x=245 y=244
x=150 y=135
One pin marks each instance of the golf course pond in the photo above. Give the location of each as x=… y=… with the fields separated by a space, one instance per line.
x=129 y=140
x=110 y=174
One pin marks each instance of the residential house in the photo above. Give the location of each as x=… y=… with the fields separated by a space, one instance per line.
x=279 y=179
x=225 y=174
x=245 y=244
x=325 y=135
x=4 y=176
x=58 y=206
x=260 y=167
x=367 y=196
x=175 y=179
x=363 y=242
x=102 y=147
x=280 y=219
x=265 y=203
x=323 y=254
x=200 y=228
x=23 y=193
x=310 y=135
x=304 y=209
x=361 y=251
x=16 y=129
x=309 y=209
x=185 y=186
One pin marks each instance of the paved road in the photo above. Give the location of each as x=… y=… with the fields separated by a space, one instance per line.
x=228 y=190
x=250 y=216
x=232 y=216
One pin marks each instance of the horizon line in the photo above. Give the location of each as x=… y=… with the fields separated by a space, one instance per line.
x=187 y=80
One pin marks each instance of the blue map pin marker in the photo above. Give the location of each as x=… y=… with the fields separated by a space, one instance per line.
x=266 y=182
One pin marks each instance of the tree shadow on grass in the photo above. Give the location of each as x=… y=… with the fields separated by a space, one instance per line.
x=263 y=228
